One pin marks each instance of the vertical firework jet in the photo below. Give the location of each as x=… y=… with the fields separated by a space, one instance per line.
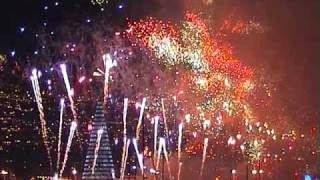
x=37 y=94
x=156 y=122
x=140 y=156
x=162 y=148
x=108 y=64
x=71 y=134
x=164 y=117
x=69 y=90
x=123 y=163
x=180 y=141
x=140 y=118
x=204 y=154
x=96 y=150
x=60 y=131
x=125 y=139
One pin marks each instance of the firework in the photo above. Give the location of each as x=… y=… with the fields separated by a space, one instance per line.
x=71 y=134
x=204 y=155
x=69 y=90
x=60 y=131
x=108 y=64
x=164 y=117
x=96 y=150
x=179 y=170
x=125 y=139
x=37 y=94
x=180 y=141
x=140 y=117
x=140 y=156
x=123 y=166
x=156 y=122
x=162 y=148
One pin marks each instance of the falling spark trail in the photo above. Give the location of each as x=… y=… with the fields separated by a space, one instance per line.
x=123 y=169
x=140 y=156
x=162 y=147
x=140 y=118
x=60 y=131
x=156 y=121
x=69 y=91
x=164 y=117
x=179 y=170
x=204 y=155
x=37 y=94
x=71 y=133
x=180 y=141
x=108 y=64
x=96 y=150
x=125 y=109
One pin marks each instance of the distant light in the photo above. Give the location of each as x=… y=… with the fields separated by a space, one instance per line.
x=56 y=3
x=12 y=53
x=35 y=52
x=46 y=8
x=307 y=177
x=52 y=33
x=254 y=171
x=88 y=20
x=81 y=79
x=233 y=171
x=90 y=127
x=261 y=171
x=51 y=69
x=102 y=9
x=120 y=6
x=49 y=82
x=45 y=24
x=22 y=29
x=74 y=171
x=4 y=172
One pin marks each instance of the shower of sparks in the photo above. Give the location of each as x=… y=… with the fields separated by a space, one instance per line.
x=37 y=94
x=180 y=141
x=125 y=138
x=60 y=132
x=96 y=150
x=71 y=134
x=162 y=148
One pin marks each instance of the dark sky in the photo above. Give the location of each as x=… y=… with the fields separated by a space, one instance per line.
x=287 y=51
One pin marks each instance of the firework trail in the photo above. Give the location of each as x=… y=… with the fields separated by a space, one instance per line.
x=164 y=117
x=140 y=117
x=140 y=156
x=125 y=141
x=69 y=90
x=108 y=64
x=123 y=166
x=162 y=147
x=156 y=121
x=60 y=131
x=72 y=130
x=37 y=94
x=179 y=141
x=96 y=150
x=204 y=155
x=179 y=170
